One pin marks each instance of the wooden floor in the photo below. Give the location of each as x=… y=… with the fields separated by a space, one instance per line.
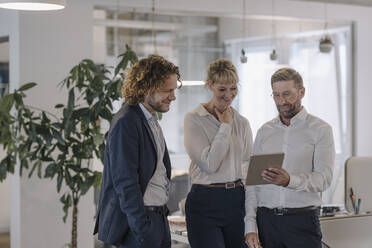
x=4 y=240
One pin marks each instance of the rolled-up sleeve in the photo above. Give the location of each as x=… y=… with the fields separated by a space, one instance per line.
x=321 y=177
x=250 y=209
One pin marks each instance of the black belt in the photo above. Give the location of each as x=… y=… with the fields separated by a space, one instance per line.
x=288 y=211
x=229 y=185
x=158 y=209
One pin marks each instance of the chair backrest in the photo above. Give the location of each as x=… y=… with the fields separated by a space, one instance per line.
x=358 y=176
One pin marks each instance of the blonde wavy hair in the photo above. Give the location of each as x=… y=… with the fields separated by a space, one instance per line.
x=145 y=76
x=222 y=71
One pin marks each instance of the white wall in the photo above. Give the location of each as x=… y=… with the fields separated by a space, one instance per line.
x=43 y=48
x=5 y=207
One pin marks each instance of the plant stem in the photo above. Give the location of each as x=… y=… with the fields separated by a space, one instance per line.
x=74 y=225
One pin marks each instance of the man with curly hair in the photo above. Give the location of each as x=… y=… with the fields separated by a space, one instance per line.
x=134 y=192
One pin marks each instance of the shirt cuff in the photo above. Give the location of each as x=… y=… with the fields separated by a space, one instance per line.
x=294 y=182
x=250 y=227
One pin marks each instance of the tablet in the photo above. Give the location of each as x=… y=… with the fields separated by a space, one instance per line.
x=259 y=163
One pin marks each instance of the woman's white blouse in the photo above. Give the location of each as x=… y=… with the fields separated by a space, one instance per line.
x=219 y=152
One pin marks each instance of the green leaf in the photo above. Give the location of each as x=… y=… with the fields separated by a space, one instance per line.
x=122 y=65
x=59 y=180
x=24 y=165
x=58 y=136
x=97 y=179
x=67 y=203
x=3 y=172
x=87 y=184
x=51 y=170
x=6 y=103
x=59 y=105
x=39 y=170
x=18 y=98
x=71 y=100
x=27 y=86
x=106 y=114
x=119 y=86
x=98 y=139
x=160 y=115
x=68 y=179
x=36 y=164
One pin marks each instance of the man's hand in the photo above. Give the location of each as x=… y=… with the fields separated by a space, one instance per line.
x=276 y=176
x=251 y=239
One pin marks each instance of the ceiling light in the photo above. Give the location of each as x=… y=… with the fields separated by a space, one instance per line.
x=243 y=58
x=325 y=44
x=273 y=55
x=192 y=83
x=33 y=4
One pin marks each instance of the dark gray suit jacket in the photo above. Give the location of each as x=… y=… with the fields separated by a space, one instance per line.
x=130 y=161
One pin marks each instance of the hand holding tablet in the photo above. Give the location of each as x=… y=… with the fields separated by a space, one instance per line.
x=266 y=169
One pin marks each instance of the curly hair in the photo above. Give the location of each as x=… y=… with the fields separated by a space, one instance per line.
x=145 y=76
x=221 y=70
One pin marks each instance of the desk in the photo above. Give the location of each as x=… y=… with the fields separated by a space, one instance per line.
x=347 y=231
x=178 y=231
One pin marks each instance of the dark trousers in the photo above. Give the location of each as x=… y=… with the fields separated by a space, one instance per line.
x=215 y=217
x=158 y=235
x=289 y=231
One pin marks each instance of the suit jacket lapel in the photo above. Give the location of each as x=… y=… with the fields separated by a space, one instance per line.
x=146 y=124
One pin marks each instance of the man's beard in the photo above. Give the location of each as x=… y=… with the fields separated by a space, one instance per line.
x=292 y=110
x=156 y=106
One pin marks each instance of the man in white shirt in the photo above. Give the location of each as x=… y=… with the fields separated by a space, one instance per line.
x=284 y=212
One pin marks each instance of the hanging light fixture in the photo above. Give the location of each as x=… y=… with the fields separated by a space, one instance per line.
x=33 y=4
x=273 y=54
x=243 y=57
x=325 y=43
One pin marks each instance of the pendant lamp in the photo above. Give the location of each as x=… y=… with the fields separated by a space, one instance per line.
x=273 y=54
x=325 y=43
x=243 y=57
x=33 y=4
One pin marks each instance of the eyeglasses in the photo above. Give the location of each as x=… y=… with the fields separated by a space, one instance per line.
x=286 y=95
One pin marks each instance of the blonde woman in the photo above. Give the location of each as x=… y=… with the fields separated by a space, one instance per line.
x=218 y=141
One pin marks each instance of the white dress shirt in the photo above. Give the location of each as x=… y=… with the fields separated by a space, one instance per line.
x=219 y=152
x=157 y=190
x=309 y=159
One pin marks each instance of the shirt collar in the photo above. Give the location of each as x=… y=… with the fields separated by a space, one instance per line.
x=147 y=114
x=300 y=116
x=201 y=110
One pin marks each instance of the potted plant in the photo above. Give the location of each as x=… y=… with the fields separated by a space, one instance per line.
x=63 y=146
